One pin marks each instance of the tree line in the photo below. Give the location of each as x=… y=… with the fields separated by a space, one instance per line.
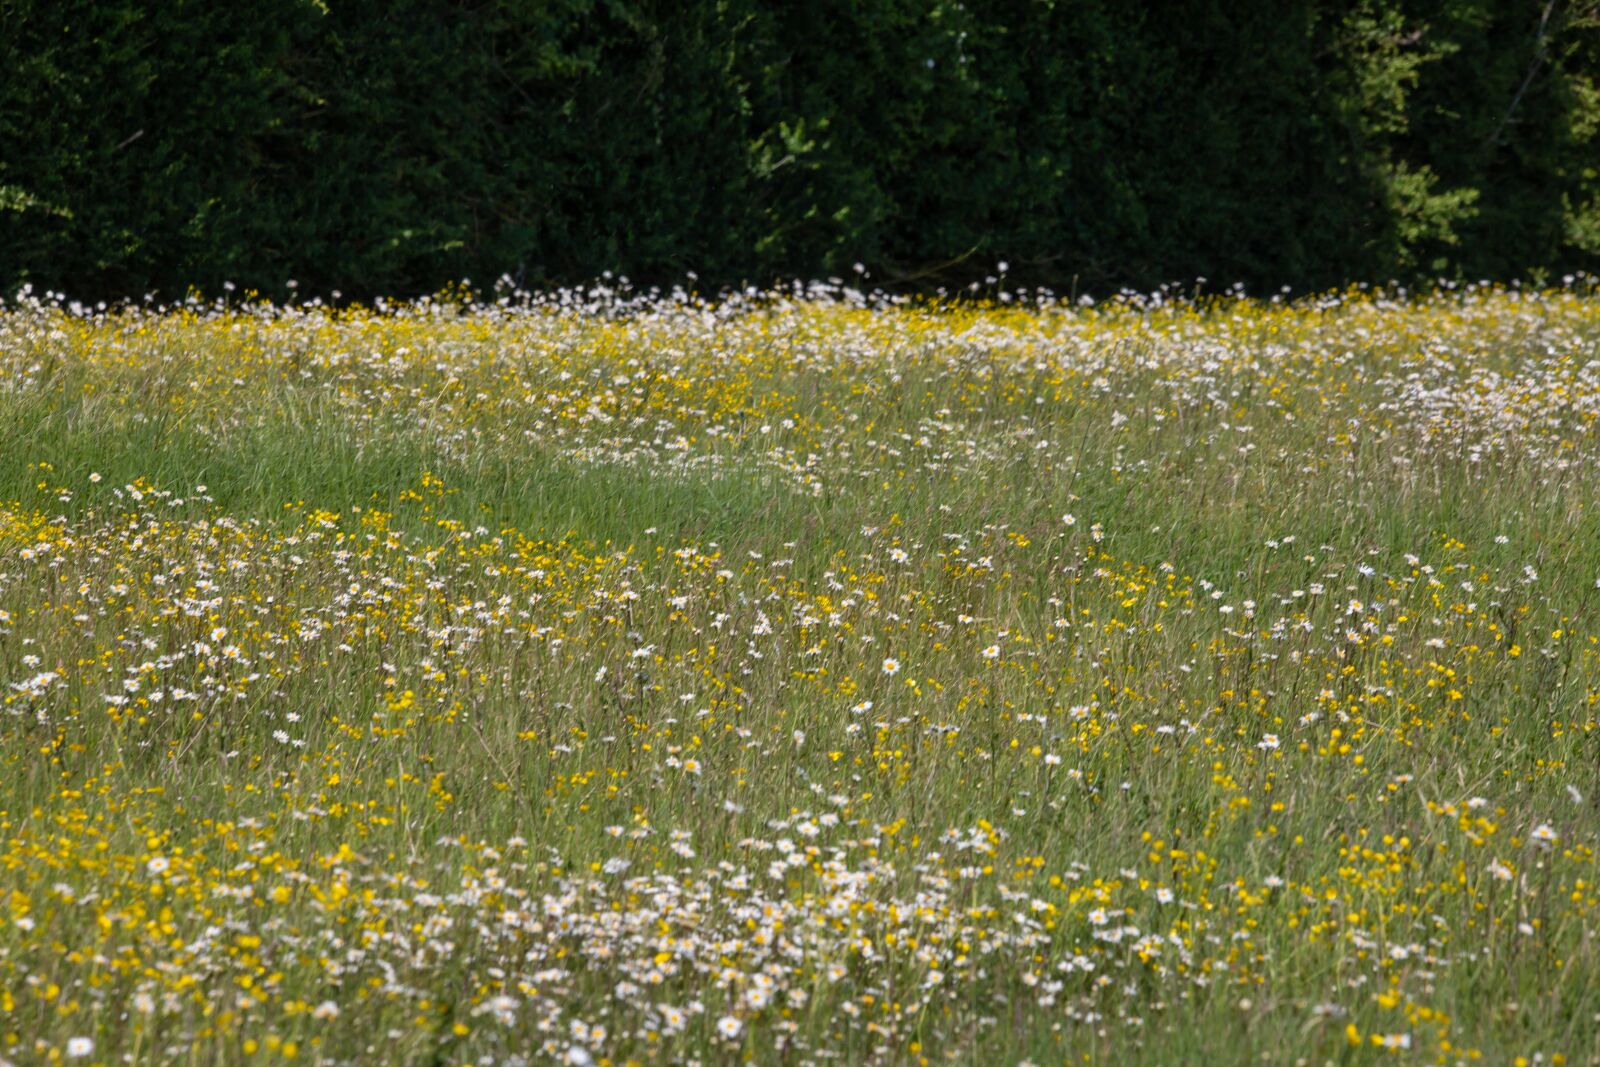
x=393 y=146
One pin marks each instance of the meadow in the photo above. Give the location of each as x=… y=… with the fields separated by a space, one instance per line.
x=802 y=677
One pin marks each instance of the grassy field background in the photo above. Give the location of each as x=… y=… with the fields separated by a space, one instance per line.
x=802 y=680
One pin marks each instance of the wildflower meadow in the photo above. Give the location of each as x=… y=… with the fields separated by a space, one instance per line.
x=802 y=677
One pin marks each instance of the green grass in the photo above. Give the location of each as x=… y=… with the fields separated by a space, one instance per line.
x=521 y=621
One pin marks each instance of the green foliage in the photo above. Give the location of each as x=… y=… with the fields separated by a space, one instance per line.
x=392 y=147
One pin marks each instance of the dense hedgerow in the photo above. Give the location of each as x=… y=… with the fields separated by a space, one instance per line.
x=389 y=147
